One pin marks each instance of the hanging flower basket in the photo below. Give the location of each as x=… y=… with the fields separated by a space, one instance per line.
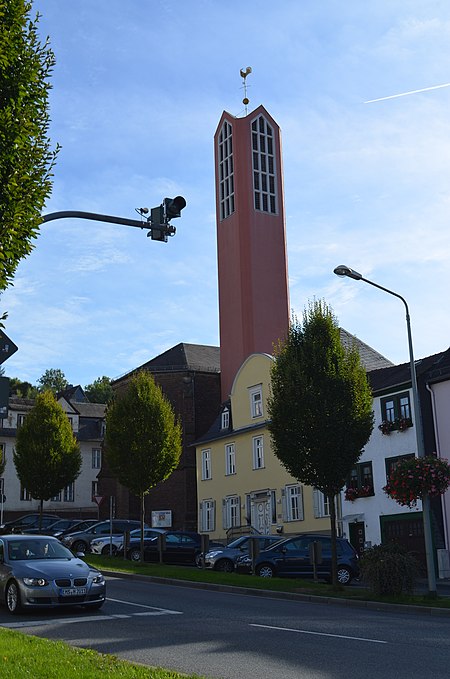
x=399 y=424
x=386 y=427
x=416 y=477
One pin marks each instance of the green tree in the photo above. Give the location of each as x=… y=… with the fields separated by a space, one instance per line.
x=26 y=160
x=53 y=380
x=321 y=406
x=47 y=456
x=100 y=391
x=21 y=389
x=143 y=438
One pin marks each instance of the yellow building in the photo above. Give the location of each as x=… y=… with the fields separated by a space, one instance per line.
x=240 y=482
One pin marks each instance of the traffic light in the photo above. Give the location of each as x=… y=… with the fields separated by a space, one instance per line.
x=173 y=207
x=160 y=217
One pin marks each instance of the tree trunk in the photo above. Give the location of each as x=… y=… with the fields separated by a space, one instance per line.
x=334 y=580
x=142 y=525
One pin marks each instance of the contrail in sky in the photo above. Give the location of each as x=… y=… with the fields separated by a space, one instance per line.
x=405 y=94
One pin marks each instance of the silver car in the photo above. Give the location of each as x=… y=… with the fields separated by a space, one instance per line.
x=37 y=571
x=109 y=544
x=224 y=559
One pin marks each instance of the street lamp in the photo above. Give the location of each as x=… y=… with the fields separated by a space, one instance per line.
x=342 y=271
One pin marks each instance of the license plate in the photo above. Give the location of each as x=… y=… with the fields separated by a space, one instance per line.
x=73 y=591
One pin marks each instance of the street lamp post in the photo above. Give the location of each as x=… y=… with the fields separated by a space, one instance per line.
x=343 y=270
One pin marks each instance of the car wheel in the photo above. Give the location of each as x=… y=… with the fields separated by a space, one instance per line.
x=13 y=598
x=135 y=555
x=344 y=575
x=79 y=546
x=265 y=570
x=106 y=550
x=225 y=566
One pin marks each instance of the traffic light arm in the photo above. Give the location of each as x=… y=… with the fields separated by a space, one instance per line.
x=95 y=217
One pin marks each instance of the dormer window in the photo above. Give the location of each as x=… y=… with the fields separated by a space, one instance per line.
x=256 y=404
x=225 y=423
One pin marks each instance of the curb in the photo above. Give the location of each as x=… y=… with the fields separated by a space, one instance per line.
x=293 y=596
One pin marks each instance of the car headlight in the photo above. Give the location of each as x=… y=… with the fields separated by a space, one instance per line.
x=35 y=582
x=98 y=579
x=211 y=555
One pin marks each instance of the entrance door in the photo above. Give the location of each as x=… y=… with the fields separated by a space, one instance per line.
x=261 y=515
x=357 y=536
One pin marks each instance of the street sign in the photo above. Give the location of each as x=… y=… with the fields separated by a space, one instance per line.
x=7 y=347
x=98 y=499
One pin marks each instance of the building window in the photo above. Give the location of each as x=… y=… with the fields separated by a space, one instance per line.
x=225 y=423
x=256 y=407
x=206 y=465
x=20 y=419
x=321 y=504
x=25 y=496
x=258 y=452
x=360 y=481
x=2 y=453
x=94 y=489
x=96 y=458
x=263 y=158
x=396 y=411
x=231 y=512
x=230 y=459
x=207 y=516
x=391 y=462
x=294 y=503
x=56 y=498
x=226 y=171
x=69 y=494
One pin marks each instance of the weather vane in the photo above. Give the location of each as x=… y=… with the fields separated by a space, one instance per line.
x=244 y=75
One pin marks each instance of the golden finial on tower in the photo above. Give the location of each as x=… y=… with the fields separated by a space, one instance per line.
x=244 y=75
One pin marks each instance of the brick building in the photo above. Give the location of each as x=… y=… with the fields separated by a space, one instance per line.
x=189 y=375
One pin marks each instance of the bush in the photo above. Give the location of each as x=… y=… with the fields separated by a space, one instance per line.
x=389 y=569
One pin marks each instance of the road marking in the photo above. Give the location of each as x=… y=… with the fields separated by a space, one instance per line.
x=94 y=618
x=320 y=634
x=152 y=608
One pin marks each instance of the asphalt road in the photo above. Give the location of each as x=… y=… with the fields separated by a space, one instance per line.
x=230 y=636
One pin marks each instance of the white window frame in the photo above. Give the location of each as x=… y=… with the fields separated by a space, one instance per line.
x=207 y=516
x=231 y=512
x=20 y=419
x=25 y=496
x=96 y=458
x=264 y=166
x=225 y=423
x=56 y=498
x=321 y=504
x=294 y=503
x=230 y=459
x=226 y=171
x=206 y=464
x=258 y=452
x=69 y=493
x=256 y=401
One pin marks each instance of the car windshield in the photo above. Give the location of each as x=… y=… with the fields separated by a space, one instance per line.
x=238 y=542
x=26 y=549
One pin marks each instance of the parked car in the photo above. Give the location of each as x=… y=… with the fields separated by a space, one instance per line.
x=57 y=528
x=80 y=541
x=107 y=544
x=182 y=547
x=224 y=559
x=37 y=571
x=291 y=557
x=76 y=527
x=27 y=522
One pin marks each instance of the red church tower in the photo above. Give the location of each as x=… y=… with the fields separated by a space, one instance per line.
x=251 y=239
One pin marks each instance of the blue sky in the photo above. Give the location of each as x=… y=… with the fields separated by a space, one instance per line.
x=138 y=89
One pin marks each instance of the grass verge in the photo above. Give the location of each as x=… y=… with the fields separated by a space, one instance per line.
x=292 y=585
x=27 y=656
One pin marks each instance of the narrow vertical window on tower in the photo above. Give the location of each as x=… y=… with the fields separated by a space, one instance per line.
x=226 y=171
x=264 y=184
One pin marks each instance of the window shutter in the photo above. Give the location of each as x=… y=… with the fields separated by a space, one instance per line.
x=224 y=514
x=316 y=503
x=301 y=514
x=283 y=505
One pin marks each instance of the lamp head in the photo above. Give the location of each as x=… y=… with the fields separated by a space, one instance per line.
x=343 y=270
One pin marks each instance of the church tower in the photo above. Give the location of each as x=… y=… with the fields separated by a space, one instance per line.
x=251 y=239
